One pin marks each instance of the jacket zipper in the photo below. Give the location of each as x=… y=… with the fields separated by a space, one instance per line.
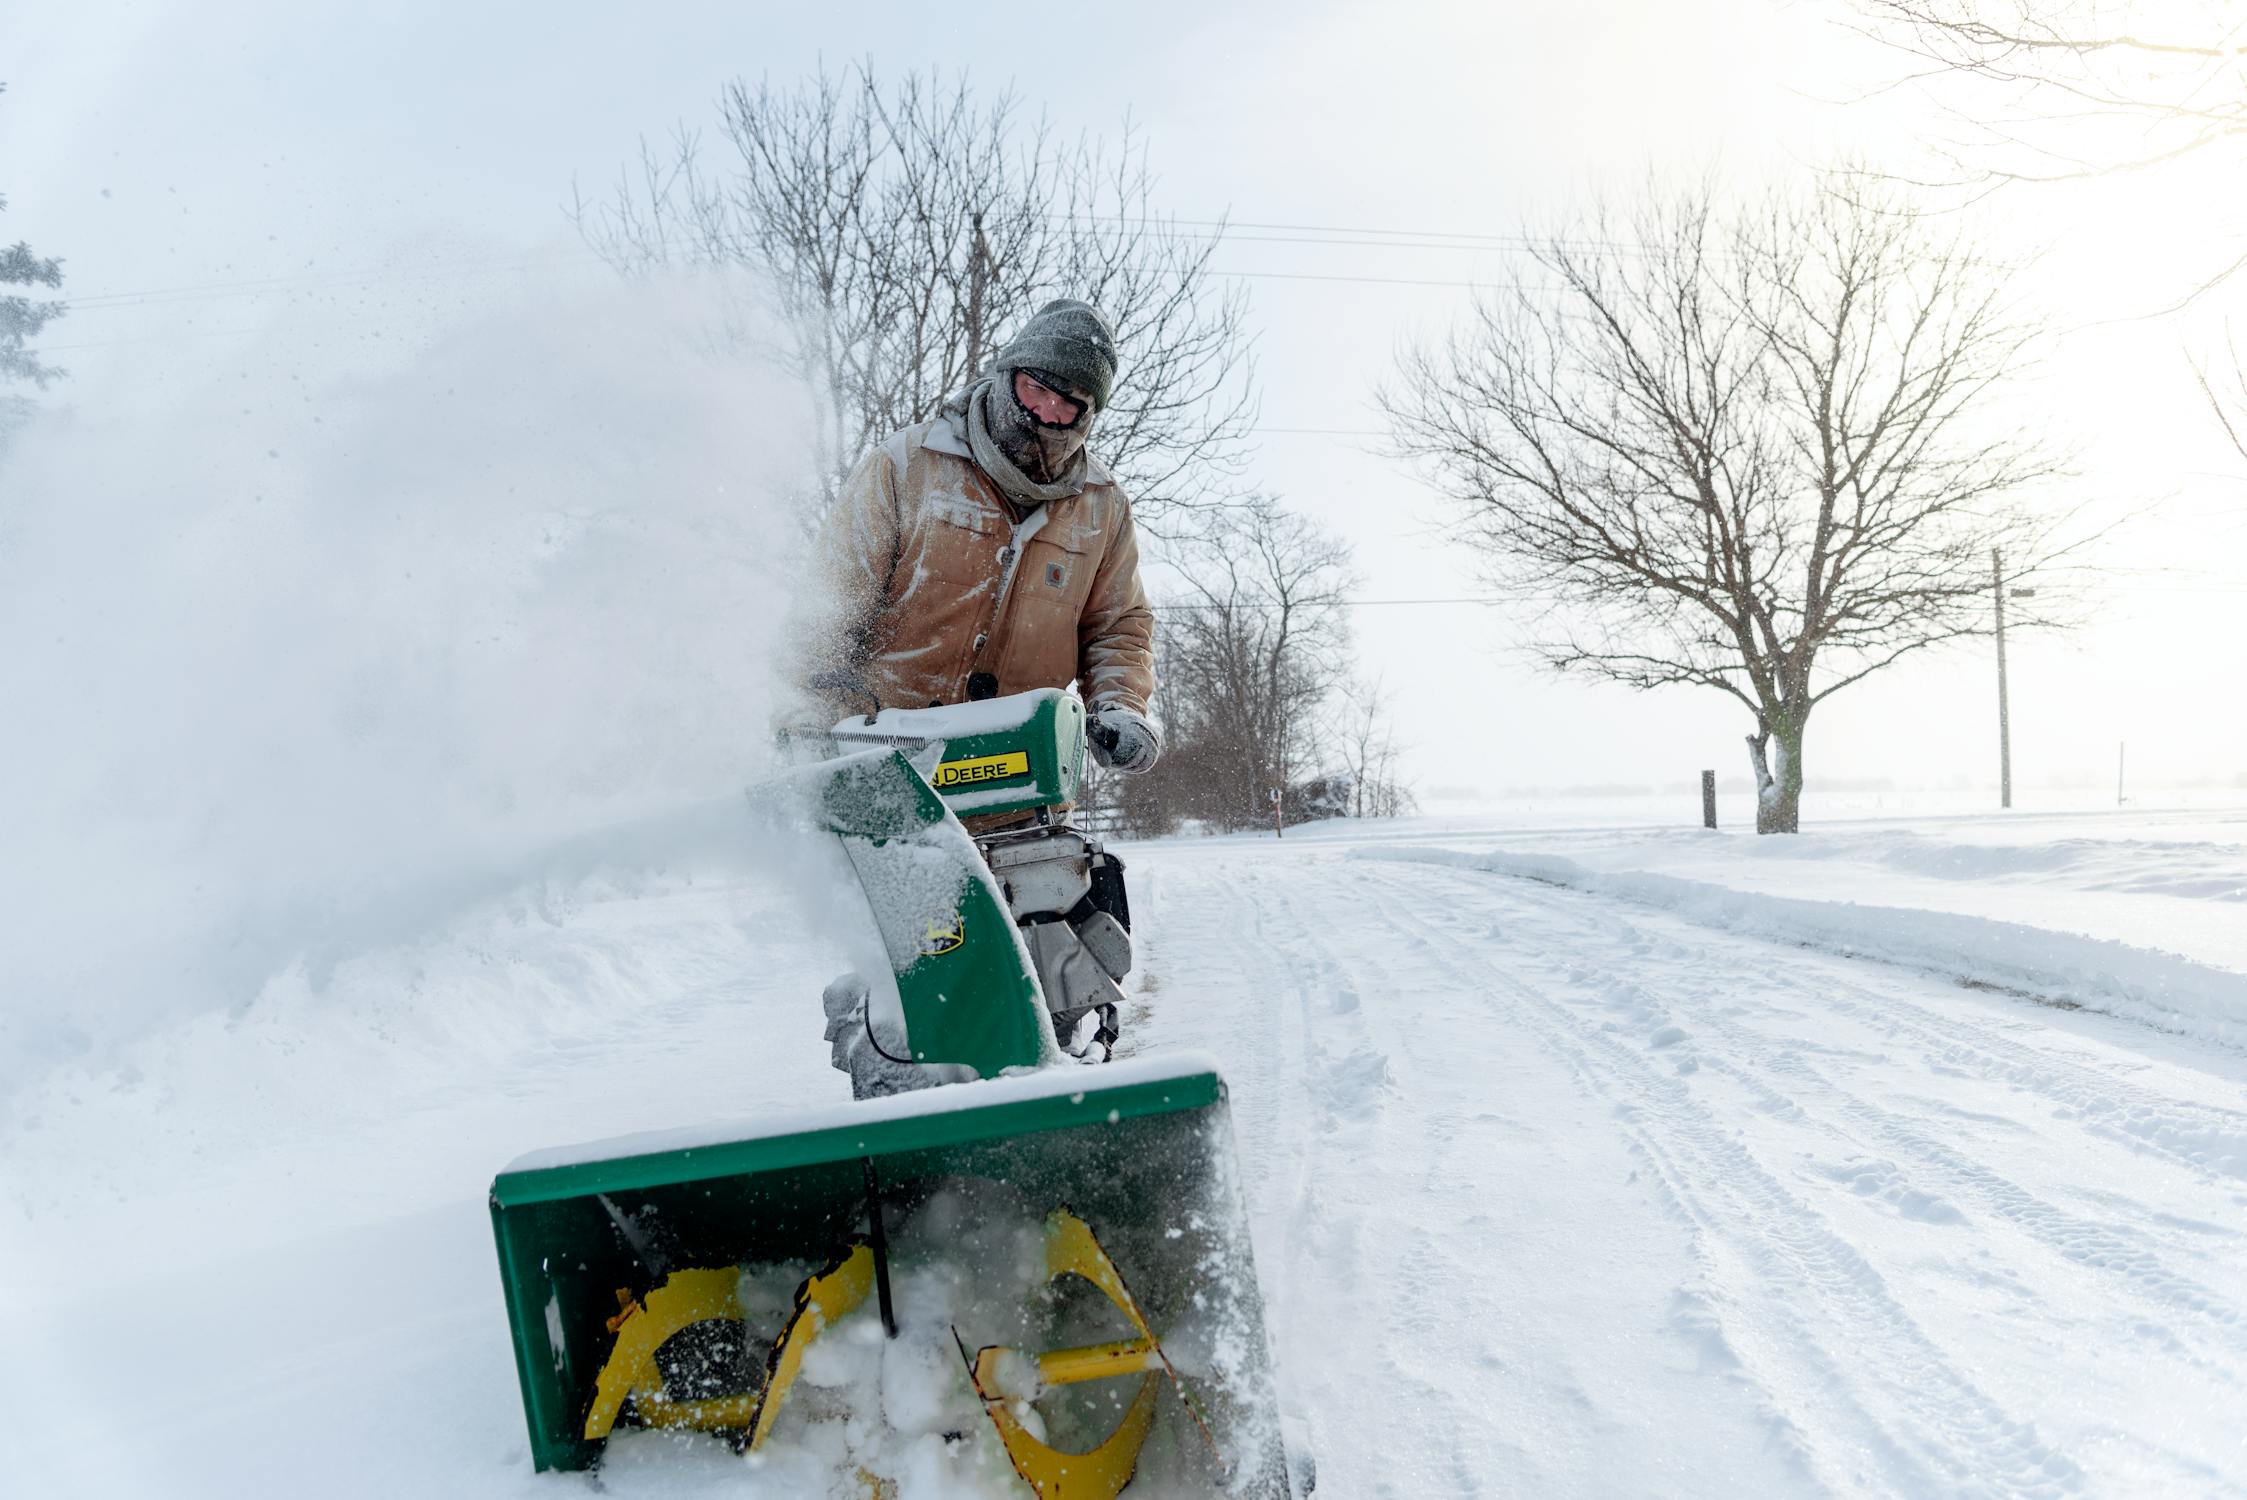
x=1006 y=586
x=1009 y=565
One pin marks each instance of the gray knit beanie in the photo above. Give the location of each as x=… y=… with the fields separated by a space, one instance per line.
x=1070 y=339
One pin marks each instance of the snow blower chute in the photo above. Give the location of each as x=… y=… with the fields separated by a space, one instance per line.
x=1013 y=1273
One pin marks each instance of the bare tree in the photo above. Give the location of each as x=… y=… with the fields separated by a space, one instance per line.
x=2082 y=87
x=1252 y=648
x=904 y=227
x=2065 y=89
x=1750 y=451
x=1369 y=751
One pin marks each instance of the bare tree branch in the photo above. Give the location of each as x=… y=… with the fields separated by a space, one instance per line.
x=903 y=227
x=2063 y=94
x=2227 y=392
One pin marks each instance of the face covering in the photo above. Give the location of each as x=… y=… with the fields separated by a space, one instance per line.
x=1041 y=446
x=1028 y=460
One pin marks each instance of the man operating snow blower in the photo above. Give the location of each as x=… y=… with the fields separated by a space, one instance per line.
x=988 y=553
x=1054 y=1228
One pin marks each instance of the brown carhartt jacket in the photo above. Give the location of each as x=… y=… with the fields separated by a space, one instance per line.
x=928 y=578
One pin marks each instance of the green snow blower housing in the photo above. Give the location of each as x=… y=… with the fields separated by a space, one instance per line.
x=1128 y=1353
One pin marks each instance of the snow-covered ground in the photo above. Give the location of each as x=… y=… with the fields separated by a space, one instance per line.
x=1907 y=1157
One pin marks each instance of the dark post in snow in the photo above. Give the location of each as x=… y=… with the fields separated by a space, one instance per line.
x=2004 y=721
x=1278 y=831
x=1708 y=799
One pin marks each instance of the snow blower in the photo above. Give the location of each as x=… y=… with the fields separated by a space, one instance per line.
x=1002 y=1270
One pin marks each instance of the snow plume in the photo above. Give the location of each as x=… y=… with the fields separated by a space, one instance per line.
x=287 y=662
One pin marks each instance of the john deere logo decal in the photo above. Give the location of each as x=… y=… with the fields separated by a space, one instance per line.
x=942 y=939
x=980 y=769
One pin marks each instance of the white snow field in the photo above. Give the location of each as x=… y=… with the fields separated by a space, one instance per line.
x=1902 y=1158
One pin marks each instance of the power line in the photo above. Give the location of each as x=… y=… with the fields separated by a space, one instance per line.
x=1415 y=234
x=1365 y=237
x=1353 y=603
x=275 y=287
x=1495 y=599
x=1399 y=244
x=1393 y=239
x=1375 y=280
x=1431 y=238
x=270 y=286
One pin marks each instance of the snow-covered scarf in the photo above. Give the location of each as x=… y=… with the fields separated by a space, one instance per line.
x=969 y=412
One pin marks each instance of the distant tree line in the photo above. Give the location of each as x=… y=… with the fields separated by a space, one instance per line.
x=1256 y=687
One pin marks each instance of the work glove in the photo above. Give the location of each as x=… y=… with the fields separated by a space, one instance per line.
x=1123 y=740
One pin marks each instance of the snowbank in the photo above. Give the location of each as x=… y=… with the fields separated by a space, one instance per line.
x=2064 y=968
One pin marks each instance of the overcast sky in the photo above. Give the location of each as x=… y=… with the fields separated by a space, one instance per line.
x=181 y=150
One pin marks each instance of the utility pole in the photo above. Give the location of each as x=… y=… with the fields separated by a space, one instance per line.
x=2004 y=719
x=978 y=260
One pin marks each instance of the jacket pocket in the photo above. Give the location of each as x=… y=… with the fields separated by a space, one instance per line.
x=961 y=549
x=1048 y=601
x=1056 y=574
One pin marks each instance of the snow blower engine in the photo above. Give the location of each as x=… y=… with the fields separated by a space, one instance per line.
x=1034 y=1280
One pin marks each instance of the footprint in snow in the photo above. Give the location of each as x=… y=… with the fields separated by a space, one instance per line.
x=1883 y=1182
x=1351 y=1088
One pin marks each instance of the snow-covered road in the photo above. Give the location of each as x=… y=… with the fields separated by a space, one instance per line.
x=1563 y=1197
x=1554 y=1194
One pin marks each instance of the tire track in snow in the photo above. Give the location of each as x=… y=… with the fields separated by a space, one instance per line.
x=2209 y=1141
x=2191 y=1321
x=2117 y=1254
x=1935 y=1428
x=2131 y=1264
x=1368 y=1083
x=2130 y=1261
x=1340 y=1096
x=2120 y=1251
x=1229 y=1007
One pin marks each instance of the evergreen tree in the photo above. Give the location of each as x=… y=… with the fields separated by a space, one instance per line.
x=21 y=319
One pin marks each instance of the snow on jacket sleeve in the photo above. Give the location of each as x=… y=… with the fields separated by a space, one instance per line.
x=1116 y=633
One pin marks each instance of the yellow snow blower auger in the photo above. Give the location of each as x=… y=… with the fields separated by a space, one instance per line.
x=1008 y=1268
